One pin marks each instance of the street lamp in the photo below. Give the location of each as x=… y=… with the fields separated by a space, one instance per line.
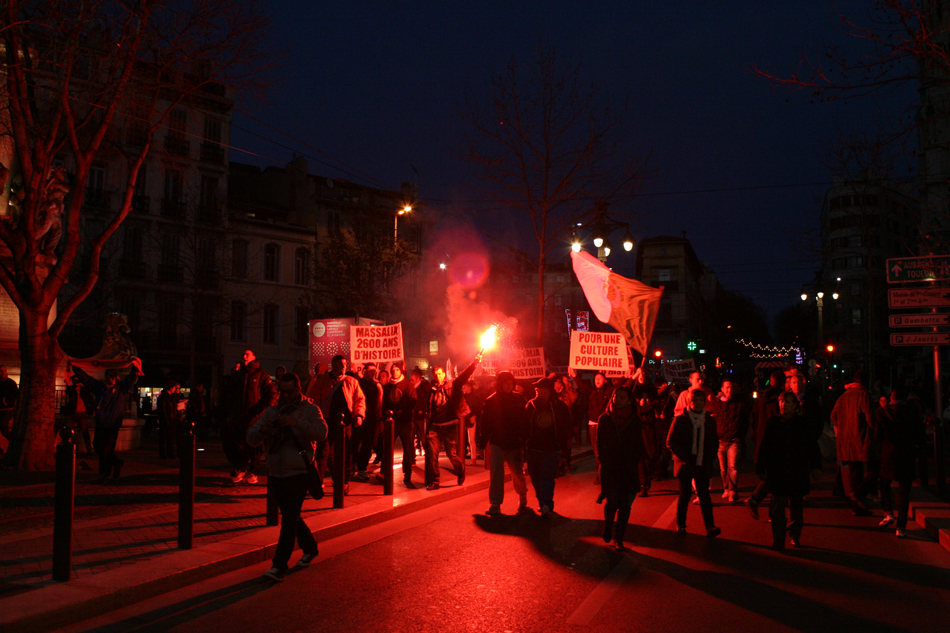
x=403 y=211
x=820 y=302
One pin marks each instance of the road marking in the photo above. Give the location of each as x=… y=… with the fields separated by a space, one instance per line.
x=597 y=598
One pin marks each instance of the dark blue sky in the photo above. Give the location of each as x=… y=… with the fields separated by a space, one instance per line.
x=379 y=87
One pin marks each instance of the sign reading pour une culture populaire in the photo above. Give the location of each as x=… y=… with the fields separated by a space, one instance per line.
x=380 y=344
x=598 y=351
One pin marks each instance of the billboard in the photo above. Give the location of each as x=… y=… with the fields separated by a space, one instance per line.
x=329 y=337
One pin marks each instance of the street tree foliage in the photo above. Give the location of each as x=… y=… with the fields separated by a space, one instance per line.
x=77 y=77
x=549 y=149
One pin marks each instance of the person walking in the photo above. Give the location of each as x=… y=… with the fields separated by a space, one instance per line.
x=767 y=407
x=854 y=428
x=251 y=390
x=447 y=407
x=694 y=444
x=290 y=429
x=399 y=397
x=170 y=410
x=364 y=438
x=549 y=429
x=621 y=455
x=784 y=462
x=901 y=431
x=731 y=425
x=503 y=427
x=111 y=401
x=598 y=397
x=9 y=397
x=343 y=400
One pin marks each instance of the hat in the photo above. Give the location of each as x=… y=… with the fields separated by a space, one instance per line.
x=794 y=371
x=505 y=375
x=544 y=382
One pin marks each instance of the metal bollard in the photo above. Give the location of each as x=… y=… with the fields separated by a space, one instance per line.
x=387 y=462
x=186 y=486
x=272 y=518
x=339 y=462
x=64 y=503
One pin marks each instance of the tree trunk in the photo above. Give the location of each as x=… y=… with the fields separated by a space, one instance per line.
x=32 y=446
x=542 y=267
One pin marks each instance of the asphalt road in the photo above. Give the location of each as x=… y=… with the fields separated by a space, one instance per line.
x=451 y=568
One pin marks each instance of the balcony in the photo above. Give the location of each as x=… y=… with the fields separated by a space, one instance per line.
x=212 y=153
x=170 y=272
x=133 y=269
x=173 y=209
x=177 y=145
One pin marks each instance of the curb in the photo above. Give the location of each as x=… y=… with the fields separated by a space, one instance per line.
x=933 y=515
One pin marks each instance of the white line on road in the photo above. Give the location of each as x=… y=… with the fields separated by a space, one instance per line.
x=618 y=575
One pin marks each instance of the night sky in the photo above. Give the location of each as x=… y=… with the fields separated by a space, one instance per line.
x=373 y=93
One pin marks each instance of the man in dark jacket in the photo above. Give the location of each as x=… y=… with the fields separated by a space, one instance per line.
x=399 y=397
x=854 y=429
x=766 y=408
x=549 y=431
x=111 y=400
x=503 y=428
x=447 y=407
x=900 y=429
x=732 y=421
x=364 y=437
x=251 y=391
x=598 y=397
x=694 y=443
x=169 y=419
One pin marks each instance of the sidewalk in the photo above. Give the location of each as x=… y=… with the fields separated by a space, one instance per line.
x=125 y=532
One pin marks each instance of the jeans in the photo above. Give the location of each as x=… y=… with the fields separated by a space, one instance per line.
x=446 y=435
x=903 y=500
x=497 y=458
x=404 y=431
x=728 y=453
x=289 y=493
x=364 y=437
x=619 y=499
x=542 y=467
x=796 y=520
x=687 y=476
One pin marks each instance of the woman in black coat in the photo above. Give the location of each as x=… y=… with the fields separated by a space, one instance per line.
x=784 y=464
x=620 y=445
x=900 y=430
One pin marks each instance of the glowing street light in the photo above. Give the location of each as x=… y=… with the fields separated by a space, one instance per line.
x=403 y=211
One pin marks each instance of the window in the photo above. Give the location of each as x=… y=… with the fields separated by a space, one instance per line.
x=178 y=121
x=272 y=262
x=174 y=186
x=238 y=321
x=212 y=130
x=239 y=259
x=302 y=267
x=301 y=325
x=663 y=274
x=856 y=290
x=94 y=186
x=270 y=324
x=208 y=198
x=132 y=247
x=167 y=323
x=204 y=317
x=856 y=316
x=170 y=249
x=204 y=263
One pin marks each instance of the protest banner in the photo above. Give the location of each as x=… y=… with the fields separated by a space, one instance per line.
x=524 y=363
x=598 y=351
x=616 y=373
x=678 y=371
x=380 y=344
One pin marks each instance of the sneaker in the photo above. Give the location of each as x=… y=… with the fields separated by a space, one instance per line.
x=493 y=509
x=796 y=542
x=713 y=532
x=546 y=512
x=251 y=479
x=275 y=573
x=753 y=508
x=432 y=486
x=306 y=559
x=695 y=501
x=238 y=477
x=887 y=520
x=681 y=530
x=901 y=533
x=361 y=476
x=462 y=477
x=725 y=494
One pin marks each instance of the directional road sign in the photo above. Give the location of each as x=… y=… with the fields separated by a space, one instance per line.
x=920 y=339
x=901 y=269
x=918 y=297
x=918 y=320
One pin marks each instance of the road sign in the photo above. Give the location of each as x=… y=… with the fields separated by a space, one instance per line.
x=920 y=339
x=918 y=320
x=918 y=297
x=901 y=269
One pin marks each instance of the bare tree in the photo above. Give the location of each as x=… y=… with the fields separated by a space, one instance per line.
x=549 y=149
x=76 y=73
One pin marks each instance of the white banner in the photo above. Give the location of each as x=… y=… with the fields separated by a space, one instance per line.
x=598 y=351
x=378 y=344
x=679 y=371
x=525 y=363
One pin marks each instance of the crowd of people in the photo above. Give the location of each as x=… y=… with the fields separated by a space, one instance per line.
x=641 y=428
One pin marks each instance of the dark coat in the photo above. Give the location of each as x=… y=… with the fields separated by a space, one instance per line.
x=732 y=419
x=680 y=443
x=766 y=408
x=784 y=456
x=620 y=449
x=503 y=422
x=900 y=430
x=252 y=391
x=556 y=437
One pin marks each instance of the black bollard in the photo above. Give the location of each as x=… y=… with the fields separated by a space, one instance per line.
x=64 y=503
x=272 y=518
x=186 y=486
x=387 y=462
x=339 y=462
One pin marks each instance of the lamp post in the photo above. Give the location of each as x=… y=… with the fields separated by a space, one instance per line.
x=403 y=211
x=600 y=230
x=820 y=302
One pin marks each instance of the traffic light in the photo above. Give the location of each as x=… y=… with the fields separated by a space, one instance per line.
x=830 y=348
x=658 y=354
